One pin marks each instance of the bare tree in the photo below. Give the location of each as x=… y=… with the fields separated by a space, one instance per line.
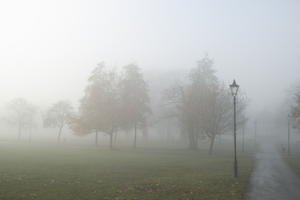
x=218 y=118
x=57 y=116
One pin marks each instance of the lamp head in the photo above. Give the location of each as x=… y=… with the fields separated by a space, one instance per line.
x=234 y=88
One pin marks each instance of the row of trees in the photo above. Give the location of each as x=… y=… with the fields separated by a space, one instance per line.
x=114 y=101
x=23 y=115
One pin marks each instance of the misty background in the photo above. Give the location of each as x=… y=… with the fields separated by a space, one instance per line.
x=49 y=48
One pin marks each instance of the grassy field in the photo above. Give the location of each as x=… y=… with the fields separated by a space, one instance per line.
x=87 y=173
x=294 y=159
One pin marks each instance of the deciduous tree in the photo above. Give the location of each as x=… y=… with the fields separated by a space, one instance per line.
x=99 y=108
x=57 y=116
x=134 y=100
x=203 y=105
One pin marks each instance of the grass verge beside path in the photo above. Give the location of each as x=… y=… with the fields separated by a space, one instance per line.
x=294 y=163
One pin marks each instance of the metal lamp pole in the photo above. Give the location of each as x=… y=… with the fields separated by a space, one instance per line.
x=255 y=133
x=289 y=131
x=235 y=158
x=234 y=89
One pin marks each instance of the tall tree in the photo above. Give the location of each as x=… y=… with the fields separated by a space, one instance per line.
x=99 y=108
x=57 y=116
x=134 y=99
x=295 y=109
x=203 y=104
x=218 y=118
x=191 y=99
x=21 y=114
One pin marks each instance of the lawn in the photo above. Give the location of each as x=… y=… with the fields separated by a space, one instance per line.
x=89 y=173
x=293 y=159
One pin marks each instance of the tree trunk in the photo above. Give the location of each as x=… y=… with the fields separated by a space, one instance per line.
x=111 y=140
x=59 y=134
x=193 y=144
x=96 y=138
x=193 y=140
x=135 y=136
x=211 y=146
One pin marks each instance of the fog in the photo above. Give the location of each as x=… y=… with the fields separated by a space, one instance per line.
x=57 y=57
x=48 y=48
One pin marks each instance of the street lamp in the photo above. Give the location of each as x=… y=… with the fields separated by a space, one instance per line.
x=289 y=130
x=234 y=90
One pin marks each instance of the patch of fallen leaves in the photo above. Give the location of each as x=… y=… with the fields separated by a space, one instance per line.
x=148 y=187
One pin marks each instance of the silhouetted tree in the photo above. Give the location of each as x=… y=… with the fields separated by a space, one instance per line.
x=57 y=116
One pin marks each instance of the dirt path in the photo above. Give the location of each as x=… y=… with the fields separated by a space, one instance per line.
x=272 y=178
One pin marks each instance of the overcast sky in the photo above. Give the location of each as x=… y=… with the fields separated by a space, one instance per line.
x=48 y=48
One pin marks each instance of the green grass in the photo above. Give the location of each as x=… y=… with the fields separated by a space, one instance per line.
x=293 y=160
x=87 y=173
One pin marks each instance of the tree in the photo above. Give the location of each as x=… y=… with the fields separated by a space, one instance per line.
x=295 y=110
x=57 y=116
x=99 y=108
x=134 y=100
x=218 y=118
x=203 y=105
x=22 y=114
x=190 y=100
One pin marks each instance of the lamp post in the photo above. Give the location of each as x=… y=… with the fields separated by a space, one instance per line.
x=289 y=131
x=234 y=90
x=255 y=133
x=243 y=141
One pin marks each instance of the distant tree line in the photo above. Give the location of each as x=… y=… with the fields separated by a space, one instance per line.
x=119 y=101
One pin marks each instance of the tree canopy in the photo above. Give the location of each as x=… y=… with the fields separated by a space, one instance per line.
x=203 y=104
x=58 y=115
